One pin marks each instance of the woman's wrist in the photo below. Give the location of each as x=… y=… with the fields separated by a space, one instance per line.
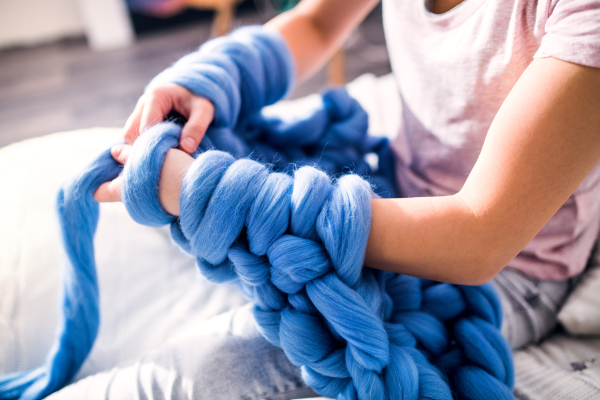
x=174 y=168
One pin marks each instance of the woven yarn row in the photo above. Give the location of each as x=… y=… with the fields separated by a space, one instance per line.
x=269 y=203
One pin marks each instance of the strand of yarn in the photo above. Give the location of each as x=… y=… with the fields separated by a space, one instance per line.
x=79 y=318
x=252 y=68
x=78 y=212
x=294 y=244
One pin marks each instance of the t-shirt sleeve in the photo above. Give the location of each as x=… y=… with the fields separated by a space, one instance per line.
x=572 y=32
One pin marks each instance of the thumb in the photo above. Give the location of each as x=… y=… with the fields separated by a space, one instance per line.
x=109 y=191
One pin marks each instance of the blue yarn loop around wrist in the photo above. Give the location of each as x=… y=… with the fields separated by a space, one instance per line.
x=281 y=206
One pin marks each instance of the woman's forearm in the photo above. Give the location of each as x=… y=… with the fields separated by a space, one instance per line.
x=439 y=238
x=542 y=143
x=315 y=29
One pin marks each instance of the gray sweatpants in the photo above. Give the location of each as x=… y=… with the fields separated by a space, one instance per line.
x=529 y=306
x=227 y=358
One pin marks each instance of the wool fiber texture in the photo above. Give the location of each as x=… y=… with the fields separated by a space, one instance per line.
x=281 y=205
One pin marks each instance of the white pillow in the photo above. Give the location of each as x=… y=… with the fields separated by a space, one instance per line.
x=581 y=313
x=150 y=291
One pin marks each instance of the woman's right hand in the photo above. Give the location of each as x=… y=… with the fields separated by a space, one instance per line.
x=158 y=102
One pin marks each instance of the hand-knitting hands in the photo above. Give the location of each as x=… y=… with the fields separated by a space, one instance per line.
x=174 y=168
x=156 y=104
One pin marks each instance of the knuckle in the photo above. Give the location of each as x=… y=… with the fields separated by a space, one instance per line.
x=163 y=90
x=155 y=94
x=205 y=107
x=154 y=90
x=151 y=96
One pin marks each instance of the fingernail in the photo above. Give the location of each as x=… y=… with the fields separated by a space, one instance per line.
x=188 y=144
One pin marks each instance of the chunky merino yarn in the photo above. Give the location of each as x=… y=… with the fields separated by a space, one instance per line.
x=291 y=236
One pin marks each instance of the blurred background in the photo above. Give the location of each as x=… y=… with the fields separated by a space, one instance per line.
x=71 y=64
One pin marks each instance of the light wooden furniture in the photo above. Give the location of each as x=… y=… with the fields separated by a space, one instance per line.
x=336 y=75
x=224 y=12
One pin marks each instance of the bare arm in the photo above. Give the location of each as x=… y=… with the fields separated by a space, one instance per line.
x=315 y=29
x=543 y=142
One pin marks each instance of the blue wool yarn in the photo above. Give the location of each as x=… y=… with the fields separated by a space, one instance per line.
x=78 y=214
x=290 y=236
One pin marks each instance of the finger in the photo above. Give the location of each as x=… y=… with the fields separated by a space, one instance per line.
x=120 y=152
x=109 y=191
x=155 y=110
x=195 y=128
x=132 y=126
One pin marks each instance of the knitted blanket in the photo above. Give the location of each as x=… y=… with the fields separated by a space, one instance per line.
x=281 y=206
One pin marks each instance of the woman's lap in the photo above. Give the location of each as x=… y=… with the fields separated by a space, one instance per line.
x=227 y=358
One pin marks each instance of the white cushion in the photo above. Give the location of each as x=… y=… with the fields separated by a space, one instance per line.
x=581 y=313
x=150 y=290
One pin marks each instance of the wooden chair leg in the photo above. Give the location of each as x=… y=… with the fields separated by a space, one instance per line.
x=335 y=69
x=223 y=20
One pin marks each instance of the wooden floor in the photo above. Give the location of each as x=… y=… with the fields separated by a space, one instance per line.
x=67 y=86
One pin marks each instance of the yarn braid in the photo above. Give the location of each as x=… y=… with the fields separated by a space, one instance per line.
x=291 y=237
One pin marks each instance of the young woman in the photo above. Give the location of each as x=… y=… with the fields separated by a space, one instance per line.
x=496 y=159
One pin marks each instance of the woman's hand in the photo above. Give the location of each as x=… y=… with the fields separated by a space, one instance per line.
x=151 y=109
x=158 y=102
x=174 y=168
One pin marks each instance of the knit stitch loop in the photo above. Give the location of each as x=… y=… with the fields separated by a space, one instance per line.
x=297 y=252
x=269 y=203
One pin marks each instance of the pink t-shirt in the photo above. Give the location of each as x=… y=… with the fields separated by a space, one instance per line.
x=454 y=70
